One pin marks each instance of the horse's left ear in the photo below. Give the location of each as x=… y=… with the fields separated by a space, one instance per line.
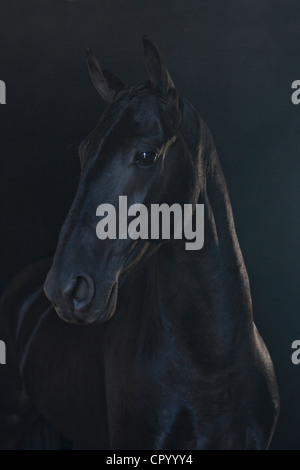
x=105 y=82
x=156 y=68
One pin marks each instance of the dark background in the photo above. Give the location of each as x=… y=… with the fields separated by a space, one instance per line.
x=234 y=60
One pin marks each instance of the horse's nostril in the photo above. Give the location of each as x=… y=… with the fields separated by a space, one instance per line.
x=80 y=291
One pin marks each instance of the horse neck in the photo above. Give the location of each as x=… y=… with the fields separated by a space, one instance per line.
x=206 y=292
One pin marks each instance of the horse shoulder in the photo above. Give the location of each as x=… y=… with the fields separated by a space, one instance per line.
x=17 y=412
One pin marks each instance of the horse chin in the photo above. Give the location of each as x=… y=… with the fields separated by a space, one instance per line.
x=64 y=316
x=107 y=313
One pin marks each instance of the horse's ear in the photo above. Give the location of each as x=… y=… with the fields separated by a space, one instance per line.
x=105 y=82
x=155 y=67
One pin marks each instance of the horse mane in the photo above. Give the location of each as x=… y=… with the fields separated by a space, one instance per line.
x=212 y=183
x=219 y=222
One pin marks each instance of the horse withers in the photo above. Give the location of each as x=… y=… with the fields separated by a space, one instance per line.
x=139 y=343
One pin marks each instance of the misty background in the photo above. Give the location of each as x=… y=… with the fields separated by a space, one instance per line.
x=234 y=60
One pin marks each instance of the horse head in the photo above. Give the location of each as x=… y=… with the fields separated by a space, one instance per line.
x=137 y=150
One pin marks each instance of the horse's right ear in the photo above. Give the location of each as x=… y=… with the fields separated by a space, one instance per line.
x=105 y=82
x=155 y=67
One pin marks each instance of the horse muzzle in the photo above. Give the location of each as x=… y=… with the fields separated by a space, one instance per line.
x=75 y=300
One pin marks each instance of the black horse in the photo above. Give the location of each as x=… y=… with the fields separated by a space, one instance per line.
x=139 y=344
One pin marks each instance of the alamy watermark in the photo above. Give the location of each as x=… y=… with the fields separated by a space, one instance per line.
x=2 y=352
x=295 y=357
x=161 y=221
x=2 y=92
x=296 y=94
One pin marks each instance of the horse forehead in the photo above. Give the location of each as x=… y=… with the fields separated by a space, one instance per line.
x=147 y=118
x=144 y=114
x=134 y=115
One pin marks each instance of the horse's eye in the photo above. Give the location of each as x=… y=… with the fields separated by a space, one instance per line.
x=146 y=158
